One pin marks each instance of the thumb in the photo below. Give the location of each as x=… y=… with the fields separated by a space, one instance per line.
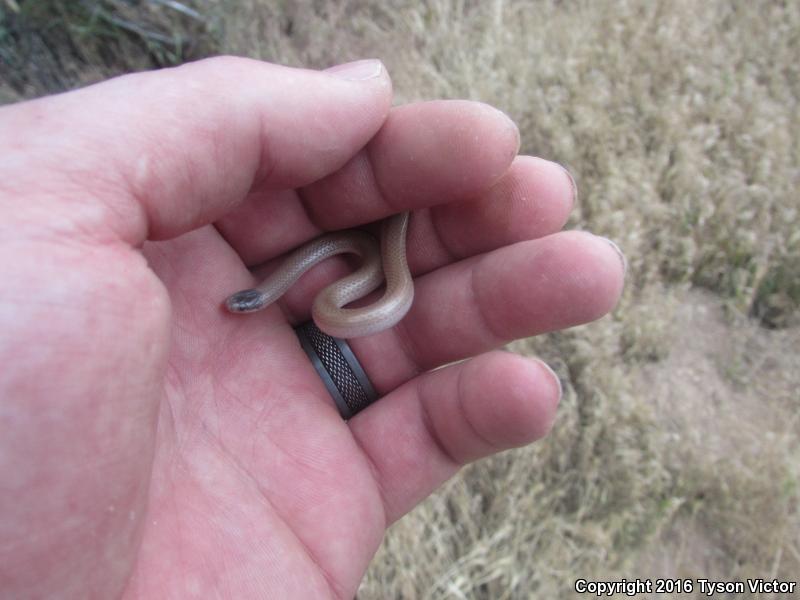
x=154 y=155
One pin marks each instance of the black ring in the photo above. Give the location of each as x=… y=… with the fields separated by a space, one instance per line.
x=338 y=368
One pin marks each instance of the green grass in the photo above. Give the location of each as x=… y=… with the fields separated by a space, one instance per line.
x=675 y=450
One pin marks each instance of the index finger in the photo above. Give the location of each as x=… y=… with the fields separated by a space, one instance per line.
x=425 y=154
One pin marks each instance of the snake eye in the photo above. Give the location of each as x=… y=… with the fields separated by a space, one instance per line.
x=245 y=301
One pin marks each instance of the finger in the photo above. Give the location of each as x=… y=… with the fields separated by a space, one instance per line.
x=531 y=199
x=158 y=154
x=533 y=287
x=482 y=303
x=427 y=153
x=419 y=435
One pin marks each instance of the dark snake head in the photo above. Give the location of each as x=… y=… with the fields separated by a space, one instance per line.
x=245 y=301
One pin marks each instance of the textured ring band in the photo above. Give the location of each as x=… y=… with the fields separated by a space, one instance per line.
x=338 y=368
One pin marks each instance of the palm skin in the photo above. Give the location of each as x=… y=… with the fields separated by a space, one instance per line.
x=251 y=455
x=159 y=447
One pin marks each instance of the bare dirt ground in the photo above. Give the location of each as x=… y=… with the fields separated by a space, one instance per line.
x=727 y=396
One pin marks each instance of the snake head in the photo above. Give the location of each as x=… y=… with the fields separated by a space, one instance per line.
x=246 y=301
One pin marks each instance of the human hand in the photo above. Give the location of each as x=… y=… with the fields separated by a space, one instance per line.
x=154 y=445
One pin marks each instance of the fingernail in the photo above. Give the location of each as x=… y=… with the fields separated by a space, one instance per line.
x=571 y=182
x=622 y=258
x=358 y=70
x=553 y=374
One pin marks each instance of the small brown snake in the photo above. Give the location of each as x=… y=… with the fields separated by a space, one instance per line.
x=328 y=309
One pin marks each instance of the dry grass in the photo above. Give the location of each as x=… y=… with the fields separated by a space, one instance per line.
x=675 y=452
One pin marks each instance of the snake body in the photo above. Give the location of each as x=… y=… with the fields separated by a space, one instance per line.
x=328 y=310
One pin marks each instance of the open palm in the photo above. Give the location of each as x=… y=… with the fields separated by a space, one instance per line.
x=156 y=446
